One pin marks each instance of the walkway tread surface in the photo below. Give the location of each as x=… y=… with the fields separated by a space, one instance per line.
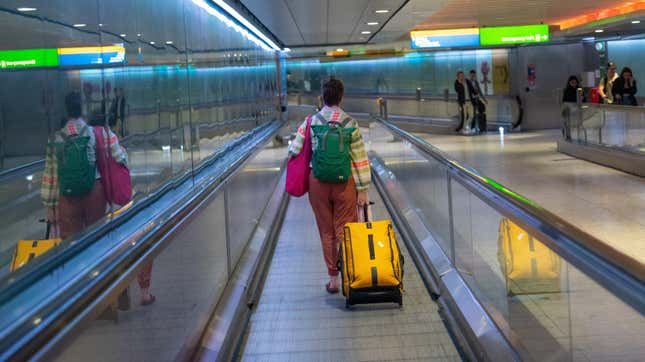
x=296 y=320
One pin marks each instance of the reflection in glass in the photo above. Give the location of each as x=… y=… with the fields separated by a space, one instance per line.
x=542 y=303
x=171 y=95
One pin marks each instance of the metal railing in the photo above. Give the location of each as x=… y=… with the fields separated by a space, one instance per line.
x=36 y=316
x=440 y=112
x=462 y=209
x=21 y=197
x=615 y=126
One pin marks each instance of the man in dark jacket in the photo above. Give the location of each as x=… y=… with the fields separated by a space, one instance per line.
x=117 y=112
x=461 y=98
x=478 y=101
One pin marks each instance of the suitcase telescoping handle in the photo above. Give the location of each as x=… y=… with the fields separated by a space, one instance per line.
x=49 y=227
x=366 y=209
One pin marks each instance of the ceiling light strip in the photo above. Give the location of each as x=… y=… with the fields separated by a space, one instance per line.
x=263 y=40
x=610 y=12
x=387 y=20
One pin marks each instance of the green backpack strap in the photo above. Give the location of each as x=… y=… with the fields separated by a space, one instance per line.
x=321 y=118
x=341 y=144
x=323 y=121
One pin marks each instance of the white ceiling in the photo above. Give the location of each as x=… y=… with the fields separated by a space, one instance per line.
x=413 y=13
x=328 y=22
x=317 y=22
x=467 y=13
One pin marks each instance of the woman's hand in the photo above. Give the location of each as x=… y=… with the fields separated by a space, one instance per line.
x=362 y=198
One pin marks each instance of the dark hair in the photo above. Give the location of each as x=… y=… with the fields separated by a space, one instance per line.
x=97 y=118
x=112 y=121
x=73 y=104
x=611 y=65
x=459 y=72
x=572 y=77
x=333 y=91
x=472 y=71
x=626 y=70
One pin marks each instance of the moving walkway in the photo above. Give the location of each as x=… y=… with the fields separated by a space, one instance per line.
x=235 y=272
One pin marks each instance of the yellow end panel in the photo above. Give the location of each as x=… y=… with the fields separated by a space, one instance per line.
x=372 y=255
x=530 y=267
x=345 y=262
x=29 y=249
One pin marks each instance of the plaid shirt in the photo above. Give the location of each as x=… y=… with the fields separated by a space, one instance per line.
x=360 y=163
x=49 y=189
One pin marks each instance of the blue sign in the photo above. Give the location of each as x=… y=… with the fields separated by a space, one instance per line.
x=114 y=54
x=451 y=38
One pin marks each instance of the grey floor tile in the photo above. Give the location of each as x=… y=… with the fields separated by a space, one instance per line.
x=296 y=320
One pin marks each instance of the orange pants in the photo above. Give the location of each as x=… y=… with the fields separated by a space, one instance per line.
x=76 y=213
x=334 y=205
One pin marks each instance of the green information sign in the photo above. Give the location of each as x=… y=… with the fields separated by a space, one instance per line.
x=504 y=35
x=28 y=58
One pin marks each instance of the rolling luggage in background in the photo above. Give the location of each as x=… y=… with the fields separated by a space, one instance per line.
x=370 y=263
x=26 y=250
x=529 y=266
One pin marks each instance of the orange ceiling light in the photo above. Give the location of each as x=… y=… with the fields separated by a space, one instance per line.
x=610 y=12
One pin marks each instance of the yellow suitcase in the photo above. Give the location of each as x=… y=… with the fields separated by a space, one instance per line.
x=529 y=266
x=371 y=264
x=26 y=250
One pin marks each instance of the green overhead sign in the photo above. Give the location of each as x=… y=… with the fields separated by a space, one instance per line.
x=28 y=58
x=503 y=35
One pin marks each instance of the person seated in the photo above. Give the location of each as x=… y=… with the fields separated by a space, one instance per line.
x=624 y=88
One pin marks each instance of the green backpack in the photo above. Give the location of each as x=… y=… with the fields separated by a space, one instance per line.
x=76 y=174
x=331 y=159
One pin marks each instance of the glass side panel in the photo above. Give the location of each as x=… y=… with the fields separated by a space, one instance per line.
x=172 y=82
x=553 y=310
x=620 y=128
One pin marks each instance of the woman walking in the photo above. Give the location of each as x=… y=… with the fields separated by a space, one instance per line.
x=335 y=203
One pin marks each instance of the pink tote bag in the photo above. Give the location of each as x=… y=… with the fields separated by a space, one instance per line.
x=297 y=183
x=114 y=176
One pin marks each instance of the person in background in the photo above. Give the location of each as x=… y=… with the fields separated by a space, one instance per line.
x=569 y=106
x=478 y=101
x=460 y=89
x=570 y=94
x=117 y=111
x=143 y=278
x=71 y=214
x=624 y=88
x=606 y=84
x=334 y=204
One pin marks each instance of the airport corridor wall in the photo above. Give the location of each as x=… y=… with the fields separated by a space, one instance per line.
x=432 y=72
x=628 y=53
x=552 y=64
x=174 y=62
x=180 y=80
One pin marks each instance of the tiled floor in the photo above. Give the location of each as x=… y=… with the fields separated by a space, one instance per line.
x=296 y=320
x=604 y=202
